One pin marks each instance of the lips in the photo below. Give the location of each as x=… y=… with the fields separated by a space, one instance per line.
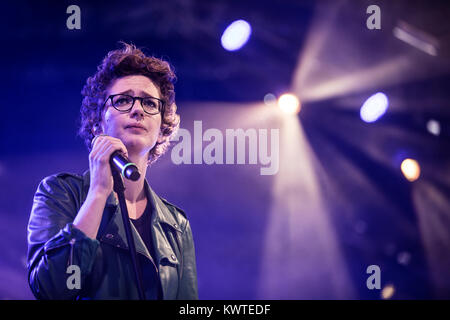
x=135 y=125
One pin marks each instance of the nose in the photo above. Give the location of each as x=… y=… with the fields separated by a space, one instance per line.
x=137 y=110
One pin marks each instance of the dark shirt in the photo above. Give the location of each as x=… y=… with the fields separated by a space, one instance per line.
x=143 y=226
x=149 y=275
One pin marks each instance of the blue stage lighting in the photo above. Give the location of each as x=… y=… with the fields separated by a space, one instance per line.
x=374 y=107
x=236 y=35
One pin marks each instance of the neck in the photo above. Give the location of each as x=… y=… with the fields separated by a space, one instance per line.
x=134 y=190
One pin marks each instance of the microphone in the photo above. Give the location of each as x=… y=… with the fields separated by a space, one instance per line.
x=121 y=163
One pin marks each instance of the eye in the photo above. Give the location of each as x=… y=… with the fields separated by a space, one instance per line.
x=121 y=100
x=150 y=103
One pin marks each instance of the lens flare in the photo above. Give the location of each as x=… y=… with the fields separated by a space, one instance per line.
x=374 y=107
x=270 y=99
x=289 y=103
x=433 y=127
x=387 y=292
x=410 y=169
x=236 y=35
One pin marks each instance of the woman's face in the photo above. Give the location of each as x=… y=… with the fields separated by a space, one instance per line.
x=120 y=124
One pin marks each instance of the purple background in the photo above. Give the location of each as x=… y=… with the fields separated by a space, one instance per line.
x=339 y=202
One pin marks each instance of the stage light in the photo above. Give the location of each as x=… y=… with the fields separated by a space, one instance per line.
x=236 y=35
x=374 y=107
x=416 y=38
x=410 y=169
x=270 y=99
x=387 y=292
x=433 y=127
x=404 y=258
x=289 y=103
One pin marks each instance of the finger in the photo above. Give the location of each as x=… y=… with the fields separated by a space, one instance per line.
x=103 y=137
x=119 y=144
x=103 y=142
x=98 y=147
x=108 y=150
x=96 y=138
x=101 y=149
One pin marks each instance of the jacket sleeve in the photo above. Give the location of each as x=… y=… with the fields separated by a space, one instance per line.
x=188 y=289
x=54 y=243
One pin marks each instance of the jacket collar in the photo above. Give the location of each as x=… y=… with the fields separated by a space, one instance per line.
x=112 y=231
x=161 y=213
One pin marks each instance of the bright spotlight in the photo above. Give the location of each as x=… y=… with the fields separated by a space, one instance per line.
x=374 y=107
x=416 y=38
x=236 y=35
x=433 y=127
x=410 y=169
x=387 y=292
x=289 y=103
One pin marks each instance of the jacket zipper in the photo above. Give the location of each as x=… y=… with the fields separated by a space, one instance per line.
x=180 y=245
x=72 y=243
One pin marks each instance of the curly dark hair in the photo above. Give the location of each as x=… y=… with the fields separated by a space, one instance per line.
x=126 y=61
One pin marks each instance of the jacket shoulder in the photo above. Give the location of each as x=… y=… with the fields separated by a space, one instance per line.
x=174 y=215
x=63 y=183
x=173 y=207
x=63 y=176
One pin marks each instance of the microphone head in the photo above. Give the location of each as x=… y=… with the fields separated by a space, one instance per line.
x=121 y=163
x=132 y=173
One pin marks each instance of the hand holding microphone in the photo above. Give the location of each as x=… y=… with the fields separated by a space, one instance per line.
x=109 y=153
x=128 y=169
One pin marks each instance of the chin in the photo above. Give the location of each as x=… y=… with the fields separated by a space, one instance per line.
x=138 y=144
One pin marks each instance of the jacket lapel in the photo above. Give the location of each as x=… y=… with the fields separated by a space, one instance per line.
x=161 y=216
x=112 y=231
x=115 y=235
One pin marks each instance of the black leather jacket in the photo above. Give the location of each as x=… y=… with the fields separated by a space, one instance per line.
x=104 y=263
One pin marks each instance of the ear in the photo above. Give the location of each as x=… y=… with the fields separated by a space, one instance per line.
x=96 y=129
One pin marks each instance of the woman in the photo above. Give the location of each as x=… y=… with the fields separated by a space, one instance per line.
x=77 y=247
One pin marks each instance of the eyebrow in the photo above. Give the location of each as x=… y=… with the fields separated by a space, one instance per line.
x=131 y=92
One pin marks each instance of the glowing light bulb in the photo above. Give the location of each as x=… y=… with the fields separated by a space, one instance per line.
x=236 y=35
x=433 y=127
x=410 y=169
x=388 y=291
x=289 y=103
x=374 y=107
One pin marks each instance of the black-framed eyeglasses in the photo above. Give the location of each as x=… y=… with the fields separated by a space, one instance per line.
x=125 y=102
